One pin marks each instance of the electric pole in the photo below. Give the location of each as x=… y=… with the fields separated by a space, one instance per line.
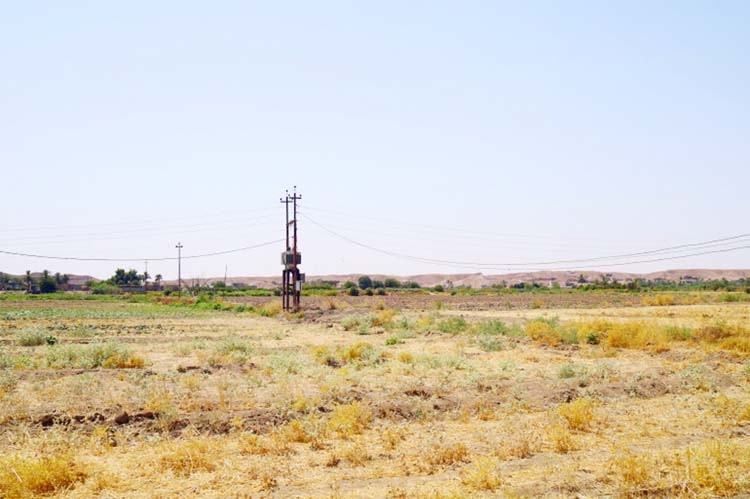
x=292 y=280
x=179 y=267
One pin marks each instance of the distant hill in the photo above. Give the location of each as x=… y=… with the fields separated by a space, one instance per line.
x=475 y=280
x=479 y=280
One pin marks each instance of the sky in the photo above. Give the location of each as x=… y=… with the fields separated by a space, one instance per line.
x=423 y=137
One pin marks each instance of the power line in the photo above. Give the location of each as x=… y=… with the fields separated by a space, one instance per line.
x=141 y=222
x=161 y=259
x=487 y=266
x=429 y=228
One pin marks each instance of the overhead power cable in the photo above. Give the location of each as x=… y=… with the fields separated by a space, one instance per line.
x=141 y=259
x=150 y=222
x=486 y=266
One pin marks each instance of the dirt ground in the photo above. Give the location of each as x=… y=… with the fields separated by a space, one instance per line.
x=399 y=396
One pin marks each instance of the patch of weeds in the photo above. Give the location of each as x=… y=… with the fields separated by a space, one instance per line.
x=560 y=438
x=359 y=322
x=270 y=309
x=22 y=477
x=384 y=318
x=106 y=355
x=8 y=382
x=496 y=327
x=699 y=376
x=447 y=455
x=571 y=371
x=544 y=330
x=285 y=363
x=483 y=474
x=452 y=325
x=348 y=420
x=443 y=361
x=31 y=337
x=184 y=458
x=230 y=351
x=9 y=361
x=593 y=338
x=579 y=413
x=679 y=333
x=635 y=471
x=489 y=343
x=395 y=339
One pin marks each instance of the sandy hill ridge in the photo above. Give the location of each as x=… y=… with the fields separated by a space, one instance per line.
x=479 y=280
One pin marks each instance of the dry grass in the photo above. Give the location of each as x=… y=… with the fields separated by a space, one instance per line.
x=617 y=402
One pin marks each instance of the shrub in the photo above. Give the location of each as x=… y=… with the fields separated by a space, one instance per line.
x=106 y=355
x=483 y=474
x=489 y=343
x=270 y=309
x=544 y=331
x=186 y=458
x=104 y=288
x=350 y=419
x=579 y=413
x=354 y=291
x=449 y=454
x=492 y=327
x=31 y=337
x=22 y=477
x=453 y=325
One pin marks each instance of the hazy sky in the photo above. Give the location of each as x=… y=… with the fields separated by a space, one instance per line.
x=487 y=133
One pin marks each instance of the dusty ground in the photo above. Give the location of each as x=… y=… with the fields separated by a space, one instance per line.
x=427 y=396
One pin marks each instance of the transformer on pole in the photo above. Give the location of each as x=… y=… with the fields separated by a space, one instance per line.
x=292 y=279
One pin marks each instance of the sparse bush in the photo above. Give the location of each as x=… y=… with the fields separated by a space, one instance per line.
x=560 y=438
x=270 y=309
x=544 y=331
x=489 y=343
x=22 y=477
x=570 y=371
x=452 y=325
x=495 y=327
x=32 y=337
x=352 y=419
x=579 y=413
x=447 y=455
x=396 y=339
x=188 y=457
x=106 y=355
x=483 y=474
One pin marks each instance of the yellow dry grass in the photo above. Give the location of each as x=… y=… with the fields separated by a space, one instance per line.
x=619 y=402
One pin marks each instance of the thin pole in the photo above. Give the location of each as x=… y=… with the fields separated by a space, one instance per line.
x=179 y=267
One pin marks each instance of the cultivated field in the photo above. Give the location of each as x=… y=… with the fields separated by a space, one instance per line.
x=403 y=396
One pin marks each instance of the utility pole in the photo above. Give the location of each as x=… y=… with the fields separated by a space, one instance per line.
x=179 y=267
x=292 y=280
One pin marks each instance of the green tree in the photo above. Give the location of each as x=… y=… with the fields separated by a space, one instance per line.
x=365 y=282
x=47 y=284
x=125 y=278
x=29 y=281
x=392 y=283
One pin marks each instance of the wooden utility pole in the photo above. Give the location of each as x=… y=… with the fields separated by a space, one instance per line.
x=179 y=267
x=291 y=287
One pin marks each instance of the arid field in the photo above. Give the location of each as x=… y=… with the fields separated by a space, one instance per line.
x=401 y=396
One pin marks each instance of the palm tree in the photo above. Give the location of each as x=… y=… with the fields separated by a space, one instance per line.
x=28 y=281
